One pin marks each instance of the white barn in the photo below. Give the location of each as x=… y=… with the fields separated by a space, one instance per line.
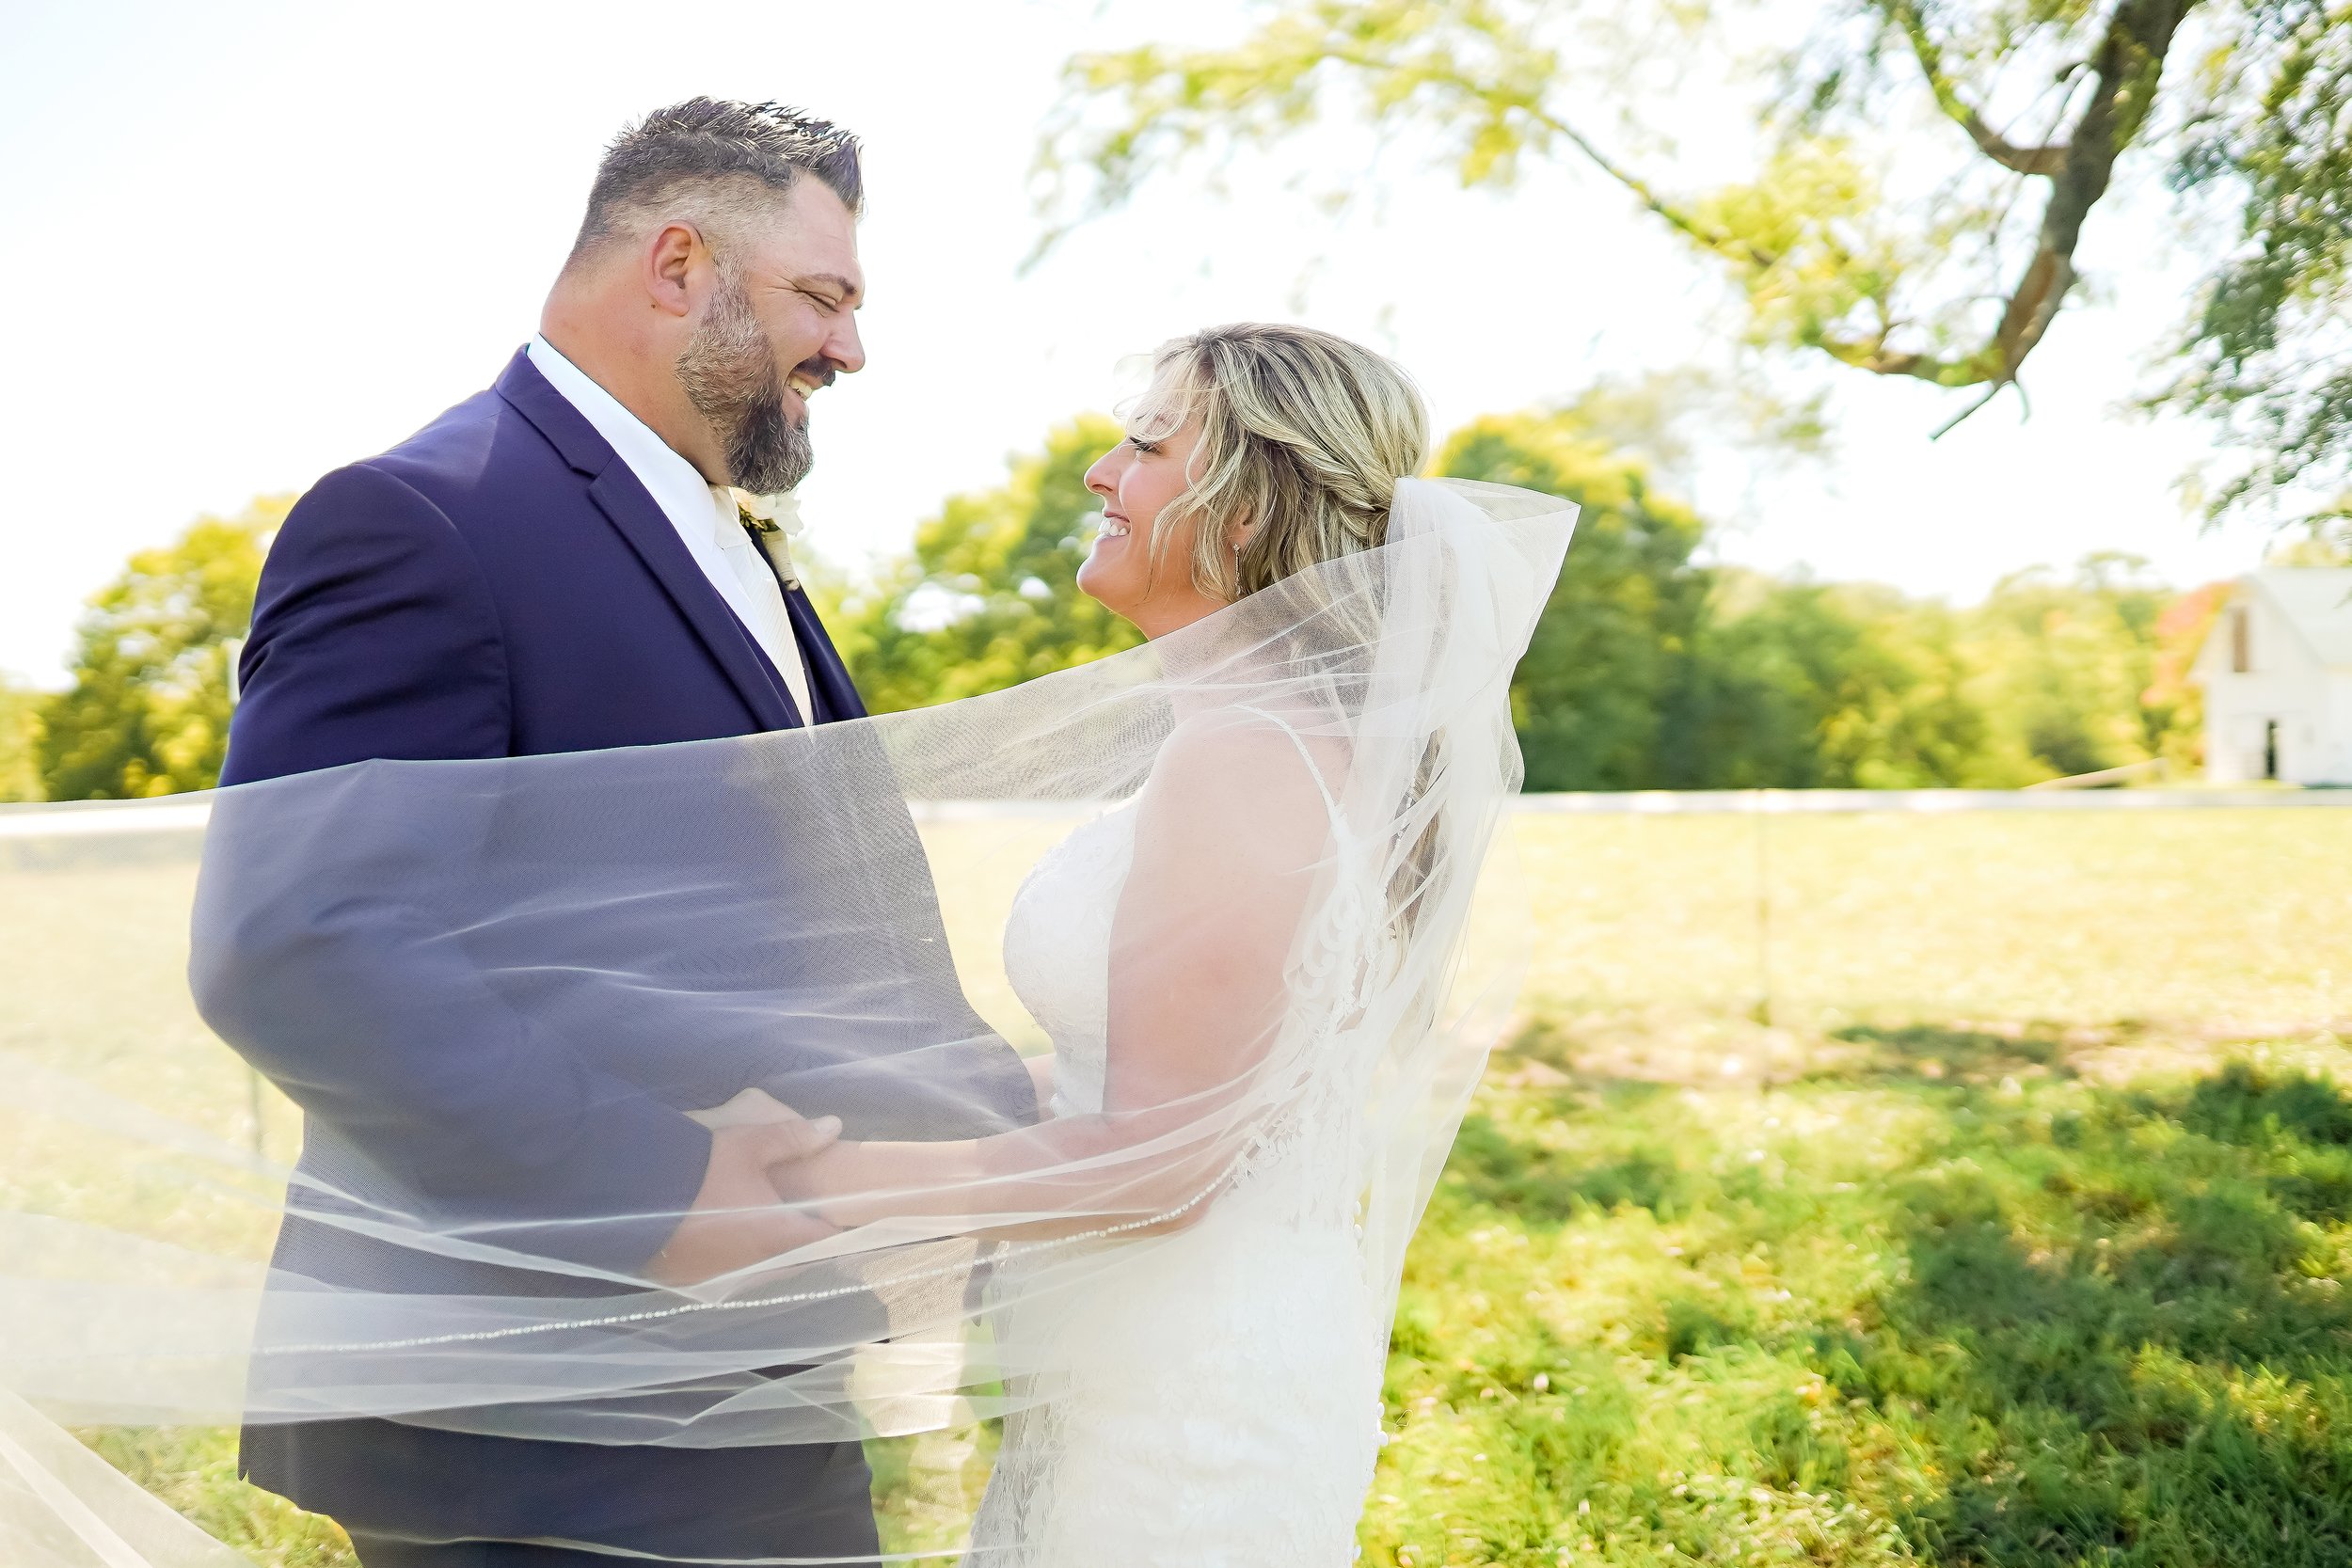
x=2277 y=673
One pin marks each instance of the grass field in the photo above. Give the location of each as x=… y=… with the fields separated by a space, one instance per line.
x=2011 y=1314
x=2011 y=1232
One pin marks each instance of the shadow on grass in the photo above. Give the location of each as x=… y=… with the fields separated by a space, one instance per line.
x=1494 y=1165
x=2118 y=1332
x=1935 y=1050
x=2124 y=1331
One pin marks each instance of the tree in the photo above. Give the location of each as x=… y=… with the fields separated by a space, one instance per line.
x=20 y=738
x=2180 y=633
x=2069 y=670
x=1800 y=684
x=148 y=712
x=2270 y=352
x=1608 y=655
x=989 y=598
x=1943 y=258
x=1648 y=671
x=1830 y=686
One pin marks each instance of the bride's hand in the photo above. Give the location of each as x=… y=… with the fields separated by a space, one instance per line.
x=799 y=1177
x=747 y=1108
x=739 y=1219
x=827 y=1174
x=833 y=1169
x=1041 y=1079
x=805 y=1180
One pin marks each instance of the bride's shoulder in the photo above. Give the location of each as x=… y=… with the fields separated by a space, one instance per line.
x=1254 y=771
x=1271 y=742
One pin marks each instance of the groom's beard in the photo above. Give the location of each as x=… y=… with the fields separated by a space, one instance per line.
x=731 y=376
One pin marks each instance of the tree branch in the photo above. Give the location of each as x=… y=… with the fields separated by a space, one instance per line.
x=1713 y=239
x=1643 y=191
x=1871 y=354
x=1954 y=422
x=1267 y=90
x=2048 y=162
x=2125 y=70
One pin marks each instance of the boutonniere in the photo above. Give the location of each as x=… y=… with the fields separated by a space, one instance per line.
x=776 y=520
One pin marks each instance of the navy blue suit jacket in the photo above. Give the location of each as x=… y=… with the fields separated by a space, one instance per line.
x=501 y=584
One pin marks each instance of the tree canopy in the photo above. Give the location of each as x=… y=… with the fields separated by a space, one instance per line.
x=148 y=712
x=20 y=733
x=1920 y=180
x=2269 y=353
x=1650 y=669
x=1592 y=696
x=989 y=596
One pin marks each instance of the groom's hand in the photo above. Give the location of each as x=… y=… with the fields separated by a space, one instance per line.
x=736 y=1221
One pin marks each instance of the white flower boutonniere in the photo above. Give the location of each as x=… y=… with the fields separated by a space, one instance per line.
x=776 y=520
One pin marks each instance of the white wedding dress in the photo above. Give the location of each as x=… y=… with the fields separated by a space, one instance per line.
x=1219 y=1406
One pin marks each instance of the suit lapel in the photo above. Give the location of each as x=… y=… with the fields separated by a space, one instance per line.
x=632 y=511
x=647 y=527
x=830 y=691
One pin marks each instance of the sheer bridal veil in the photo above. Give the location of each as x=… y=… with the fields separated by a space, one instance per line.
x=496 y=988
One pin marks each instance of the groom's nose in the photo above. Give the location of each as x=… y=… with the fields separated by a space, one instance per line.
x=844 y=350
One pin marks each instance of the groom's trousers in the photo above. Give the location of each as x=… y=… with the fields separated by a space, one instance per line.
x=803 y=1500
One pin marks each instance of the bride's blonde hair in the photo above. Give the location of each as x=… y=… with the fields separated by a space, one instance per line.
x=1303 y=437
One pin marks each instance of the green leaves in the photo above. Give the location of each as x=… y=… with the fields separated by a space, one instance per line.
x=20 y=738
x=1828 y=260
x=1648 y=671
x=989 y=598
x=148 y=713
x=2268 y=353
x=1475 y=70
x=1592 y=695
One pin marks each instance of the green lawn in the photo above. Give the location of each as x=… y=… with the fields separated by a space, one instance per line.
x=2011 y=1232
x=2011 y=1314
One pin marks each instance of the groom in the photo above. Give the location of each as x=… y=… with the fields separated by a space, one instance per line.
x=558 y=564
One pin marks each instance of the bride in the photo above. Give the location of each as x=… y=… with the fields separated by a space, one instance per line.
x=1219 y=1404
x=1255 y=961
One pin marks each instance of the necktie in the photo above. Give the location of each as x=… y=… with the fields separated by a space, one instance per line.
x=771 y=521
x=753 y=542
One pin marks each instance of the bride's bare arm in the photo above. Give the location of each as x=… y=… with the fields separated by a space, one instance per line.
x=1042 y=1068
x=1229 y=834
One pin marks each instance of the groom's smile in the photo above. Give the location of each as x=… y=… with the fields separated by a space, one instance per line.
x=807 y=381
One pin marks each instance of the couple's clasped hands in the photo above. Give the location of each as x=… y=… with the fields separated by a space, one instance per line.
x=754 y=1202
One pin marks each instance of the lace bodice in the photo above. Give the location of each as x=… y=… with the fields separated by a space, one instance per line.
x=1057 y=950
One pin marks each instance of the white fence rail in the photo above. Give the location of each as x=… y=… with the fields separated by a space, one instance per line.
x=74 y=819
x=1742 y=802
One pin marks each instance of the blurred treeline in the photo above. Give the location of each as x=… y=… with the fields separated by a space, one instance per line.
x=1649 y=671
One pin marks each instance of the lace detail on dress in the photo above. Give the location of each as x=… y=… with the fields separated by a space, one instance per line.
x=1057 y=950
x=1219 y=1406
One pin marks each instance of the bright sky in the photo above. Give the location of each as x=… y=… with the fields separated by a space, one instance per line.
x=248 y=243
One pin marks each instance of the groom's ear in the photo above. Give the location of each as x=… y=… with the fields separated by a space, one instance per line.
x=669 y=260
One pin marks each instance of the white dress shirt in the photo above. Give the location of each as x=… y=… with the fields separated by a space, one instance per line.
x=704 y=514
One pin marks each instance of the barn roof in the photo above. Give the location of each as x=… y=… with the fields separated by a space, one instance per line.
x=2317 y=602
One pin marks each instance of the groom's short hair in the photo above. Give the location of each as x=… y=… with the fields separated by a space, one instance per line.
x=713 y=159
